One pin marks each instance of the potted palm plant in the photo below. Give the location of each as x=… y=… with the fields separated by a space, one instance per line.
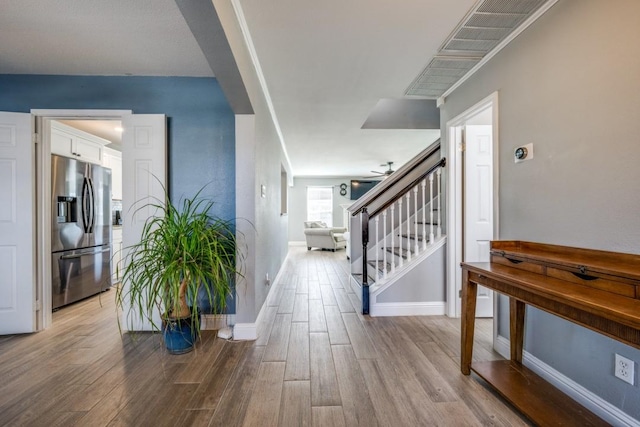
x=183 y=252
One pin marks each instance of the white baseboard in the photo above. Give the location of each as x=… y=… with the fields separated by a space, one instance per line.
x=297 y=243
x=605 y=410
x=245 y=332
x=382 y=309
x=249 y=331
x=355 y=287
x=502 y=345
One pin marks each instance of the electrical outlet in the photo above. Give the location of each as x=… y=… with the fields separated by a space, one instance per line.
x=267 y=281
x=624 y=369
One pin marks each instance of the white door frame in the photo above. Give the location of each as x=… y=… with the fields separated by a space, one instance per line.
x=44 y=317
x=454 y=197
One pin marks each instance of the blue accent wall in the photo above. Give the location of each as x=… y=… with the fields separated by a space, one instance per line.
x=200 y=122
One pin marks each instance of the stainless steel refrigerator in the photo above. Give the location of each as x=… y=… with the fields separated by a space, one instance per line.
x=81 y=230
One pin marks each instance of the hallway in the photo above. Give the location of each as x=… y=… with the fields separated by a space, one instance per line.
x=317 y=361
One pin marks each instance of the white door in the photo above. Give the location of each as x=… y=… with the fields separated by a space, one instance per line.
x=144 y=169
x=17 y=219
x=478 y=204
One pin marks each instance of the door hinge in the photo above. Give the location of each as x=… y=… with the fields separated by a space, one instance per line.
x=37 y=305
x=36 y=138
x=462 y=147
x=459 y=293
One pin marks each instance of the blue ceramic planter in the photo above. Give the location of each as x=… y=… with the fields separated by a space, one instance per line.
x=178 y=335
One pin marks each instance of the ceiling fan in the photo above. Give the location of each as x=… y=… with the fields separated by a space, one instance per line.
x=384 y=174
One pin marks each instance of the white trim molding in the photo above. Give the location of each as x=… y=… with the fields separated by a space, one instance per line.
x=93 y=114
x=355 y=287
x=530 y=20
x=605 y=410
x=245 y=331
x=249 y=331
x=586 y=398
x=454 y=193
x=244 y=28
x=385 y=309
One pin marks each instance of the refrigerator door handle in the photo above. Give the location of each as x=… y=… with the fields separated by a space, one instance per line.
x=92 y=205
x=85 y=206
x=80 y=255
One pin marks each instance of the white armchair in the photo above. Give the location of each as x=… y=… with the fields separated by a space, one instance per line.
x=318 y=235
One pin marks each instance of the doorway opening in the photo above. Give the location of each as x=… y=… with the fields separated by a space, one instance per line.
x=473 y=197
x=85 y=266
x=142 y=155
x=93 y=138
x=27 y=218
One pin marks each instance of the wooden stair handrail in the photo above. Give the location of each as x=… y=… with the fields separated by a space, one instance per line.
x=441 y=163
x=428 y=153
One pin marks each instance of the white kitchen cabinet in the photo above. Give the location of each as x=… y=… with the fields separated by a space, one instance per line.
x=112 y=159
x=116 y=258
x=70 y=142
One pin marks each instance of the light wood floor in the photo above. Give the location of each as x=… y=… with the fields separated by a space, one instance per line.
x=317 y=362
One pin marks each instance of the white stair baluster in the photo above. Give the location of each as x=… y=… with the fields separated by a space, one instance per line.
x=408 y=226
x=400 y=260
x=415 y=217
x=424 y=219
x=439 y=172
x=393 y=218
x=431 y=209
x=377 y=250
x=384 y=243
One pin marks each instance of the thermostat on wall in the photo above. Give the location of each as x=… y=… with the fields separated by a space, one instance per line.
x=520 y=154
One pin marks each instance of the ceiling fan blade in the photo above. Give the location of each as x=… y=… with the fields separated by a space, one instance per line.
x=379 y=173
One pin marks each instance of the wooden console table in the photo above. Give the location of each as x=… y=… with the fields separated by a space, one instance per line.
x=595 y=289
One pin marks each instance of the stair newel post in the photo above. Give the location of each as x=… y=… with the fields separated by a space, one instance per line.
x=431 y=238
x=384 y=243
x=415 y=217
x=377 y=221
x=424 y=220
x=408 y=196
x=393 y=234
x=439 y=173
x=365 y=277
x=400 y=260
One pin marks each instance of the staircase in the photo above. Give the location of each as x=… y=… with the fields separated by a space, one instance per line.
x=398 y=257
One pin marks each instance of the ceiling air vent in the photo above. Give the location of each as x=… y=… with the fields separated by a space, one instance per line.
x=486 y=25
x=440 y=74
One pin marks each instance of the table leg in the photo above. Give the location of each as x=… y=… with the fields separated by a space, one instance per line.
x=469 y=294
x=516 y=328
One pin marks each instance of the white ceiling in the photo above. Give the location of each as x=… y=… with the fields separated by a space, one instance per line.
x=97 y=37
x=326 y=63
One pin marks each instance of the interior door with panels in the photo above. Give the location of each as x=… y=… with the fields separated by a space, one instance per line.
x=478 y=204
x=144 y=166
x=17 y=224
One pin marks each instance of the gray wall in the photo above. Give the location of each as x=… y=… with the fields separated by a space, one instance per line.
x=259 y=160
x=569 y=84
x=425 y=283
x=298 y=203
